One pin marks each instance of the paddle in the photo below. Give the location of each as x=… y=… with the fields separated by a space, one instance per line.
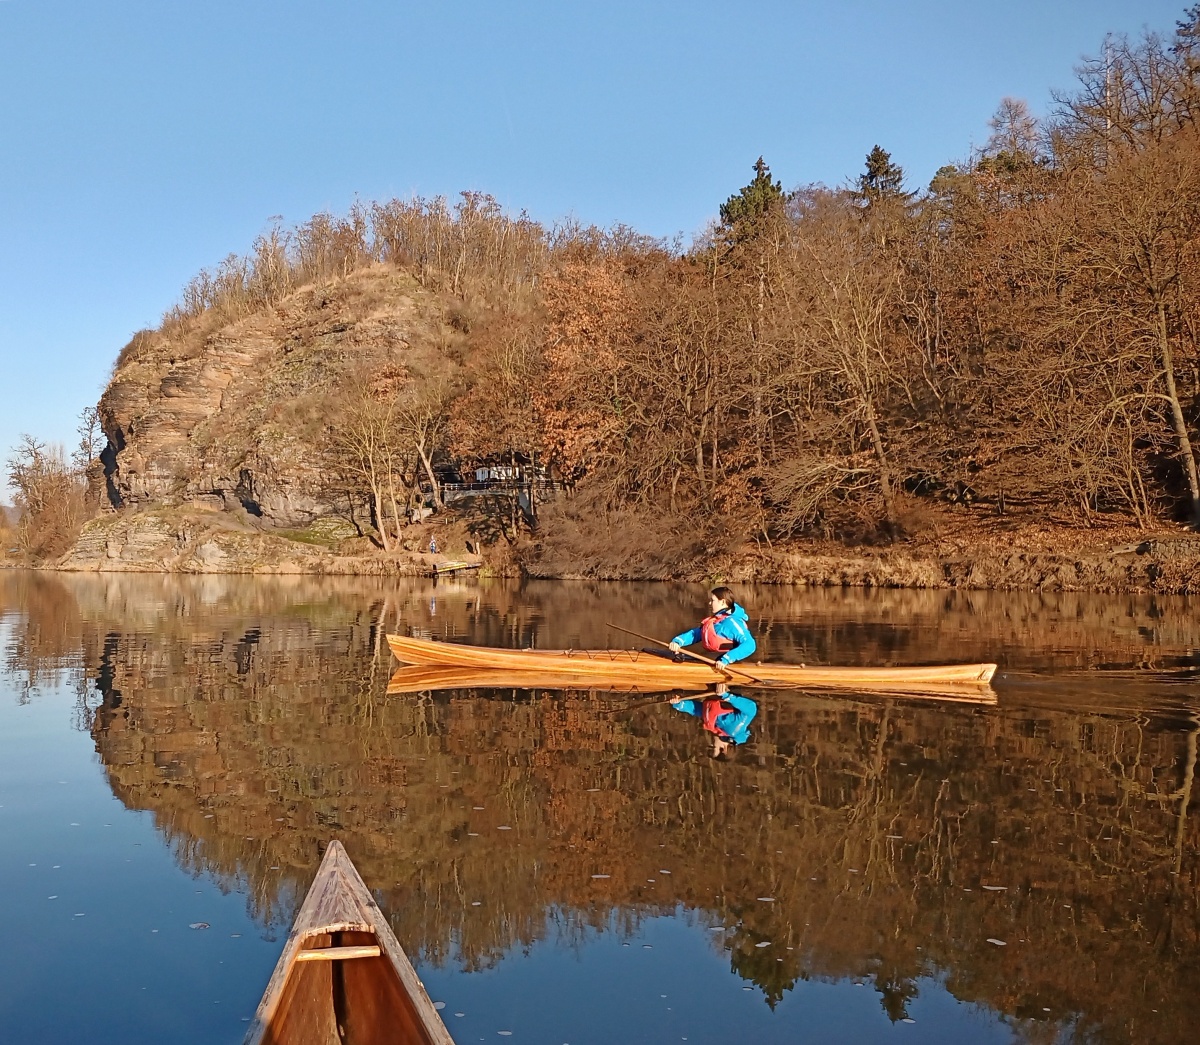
x=724 y=669
x=607 y=712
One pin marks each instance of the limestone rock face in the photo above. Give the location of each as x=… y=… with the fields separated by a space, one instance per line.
x=170 y=541
x=233 y=416
x=174 y=540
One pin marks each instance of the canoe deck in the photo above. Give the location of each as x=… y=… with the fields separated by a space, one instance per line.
x=343 y=976
x=649 y=670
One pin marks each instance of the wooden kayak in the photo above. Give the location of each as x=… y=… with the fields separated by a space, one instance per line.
x=343 y=977
x=649 y=669
x=420 y=679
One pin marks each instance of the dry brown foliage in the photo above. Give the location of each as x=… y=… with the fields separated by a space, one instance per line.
x=51 y=499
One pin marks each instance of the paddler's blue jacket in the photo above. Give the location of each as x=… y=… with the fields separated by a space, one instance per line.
x=734 y=724
x=733 y=626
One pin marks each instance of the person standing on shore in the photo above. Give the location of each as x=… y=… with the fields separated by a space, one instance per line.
x=726 y=630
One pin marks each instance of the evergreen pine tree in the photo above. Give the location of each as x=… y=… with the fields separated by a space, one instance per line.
x=1187 y=32
x=882 y=180
x=742 y=212
x=1186 y=50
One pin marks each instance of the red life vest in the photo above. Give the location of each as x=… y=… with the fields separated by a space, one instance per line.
x=710 y=638
x=712 y=709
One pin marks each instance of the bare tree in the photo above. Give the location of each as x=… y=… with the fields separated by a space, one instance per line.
x=364 y=444
x=841 y=299
x=91 y=439
x=1135 y=94
x=422 y=420
x=1115 y=295
x=1014 y=131
x=50 y=495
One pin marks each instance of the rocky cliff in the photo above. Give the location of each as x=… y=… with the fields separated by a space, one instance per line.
x=229 y=415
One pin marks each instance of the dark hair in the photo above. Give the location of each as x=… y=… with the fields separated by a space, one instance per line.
x=725 y=595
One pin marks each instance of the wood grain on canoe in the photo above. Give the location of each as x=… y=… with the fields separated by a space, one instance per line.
x=364 y=991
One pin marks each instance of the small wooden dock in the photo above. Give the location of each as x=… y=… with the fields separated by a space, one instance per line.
x=442 y=569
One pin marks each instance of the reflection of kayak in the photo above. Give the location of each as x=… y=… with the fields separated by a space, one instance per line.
x=343 y=976
x=648 y=670
x=418 y=678
x=421 y=679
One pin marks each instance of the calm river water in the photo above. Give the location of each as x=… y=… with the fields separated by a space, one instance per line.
x=570 y=866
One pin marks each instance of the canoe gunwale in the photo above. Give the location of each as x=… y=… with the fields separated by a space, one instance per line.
x=338 y=901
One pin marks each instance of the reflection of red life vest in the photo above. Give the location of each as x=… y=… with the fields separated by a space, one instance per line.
x=713 y=708
x=710 y=638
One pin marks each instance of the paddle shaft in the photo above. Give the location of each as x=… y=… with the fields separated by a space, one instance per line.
x=635 y=707
x=725 y=669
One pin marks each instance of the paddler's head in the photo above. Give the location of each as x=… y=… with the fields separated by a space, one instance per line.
x=721 y=599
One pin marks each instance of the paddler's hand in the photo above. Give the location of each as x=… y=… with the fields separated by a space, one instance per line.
x=674 y=647
x=676 y=701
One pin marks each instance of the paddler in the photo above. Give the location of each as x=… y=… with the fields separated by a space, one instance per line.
x=727 y=716
x=726 y=630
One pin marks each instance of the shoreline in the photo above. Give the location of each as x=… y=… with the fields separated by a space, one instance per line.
x=1033 y=558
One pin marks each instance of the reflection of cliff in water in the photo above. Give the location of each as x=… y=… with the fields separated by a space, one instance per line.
x=893 y=839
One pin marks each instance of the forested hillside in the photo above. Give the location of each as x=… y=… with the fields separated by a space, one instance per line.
x=1014 y=345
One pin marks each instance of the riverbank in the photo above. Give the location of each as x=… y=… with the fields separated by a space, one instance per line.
x=1163 y=564
x=182 y=541
x=1026 y=557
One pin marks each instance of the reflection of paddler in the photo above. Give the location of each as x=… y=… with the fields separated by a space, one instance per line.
x=727 y=716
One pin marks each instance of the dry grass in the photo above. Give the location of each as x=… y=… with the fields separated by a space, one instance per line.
x=580 y=536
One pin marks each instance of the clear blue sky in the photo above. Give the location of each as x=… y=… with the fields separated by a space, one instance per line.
x=142 y=140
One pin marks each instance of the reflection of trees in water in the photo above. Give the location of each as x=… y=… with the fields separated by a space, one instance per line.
x=1024 y=630
x=735 y=834
x=43 y=626
x=875 y=828
x=895 y=992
